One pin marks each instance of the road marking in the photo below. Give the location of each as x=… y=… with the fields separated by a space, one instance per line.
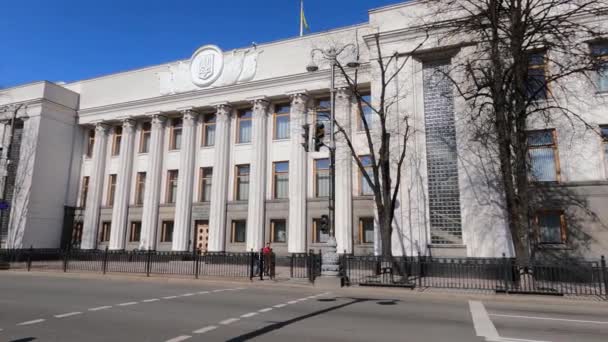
x=100 y=308
x=247 y=315
x=205 y=329
x=187 y=294
x=127 y=303
x=229 y=321
x=203 y=292
x=32 y=322
x=279 y=305
x=292 y=302
x=481 y=321
x=179 y=338
x=150 y=300
x=221 y=290
x=169 y=297
x=68 y=314
x=551 y=319
x=265 y=310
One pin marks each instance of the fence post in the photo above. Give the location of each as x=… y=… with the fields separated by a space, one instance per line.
x=291 y=266
x=105 y=260
x=505 y=271
x=261 y=263
x=605 y=276
x=29 y=258
x=148 y=261
x=251 y=264
x=419 y=270
x=66 y=256
x=196 y=264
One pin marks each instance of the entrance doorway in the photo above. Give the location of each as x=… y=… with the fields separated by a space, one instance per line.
x=201 y=237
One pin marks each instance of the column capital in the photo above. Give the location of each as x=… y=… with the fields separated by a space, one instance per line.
x=223 y=108
x=158 y=119
x=299 y=98
x=128 y=123
x=343 y=93
x=189 y=114
x=102 y=127
x=260 y=104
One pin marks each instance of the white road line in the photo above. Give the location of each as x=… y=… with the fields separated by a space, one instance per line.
x=220 y=290
x=100 y=308
x=187 y=294
x=127 y=303
x=481 y=321
x=205 y=329
x=247 y=315
x=551 y=319
x=68 y=314
x=32 y=322
x=265 y=310
x=229 y=321
x=150 y=300
x=279 y=305
x=292 y=302
x=170 y=297
x=179 y=338
x=203 y=292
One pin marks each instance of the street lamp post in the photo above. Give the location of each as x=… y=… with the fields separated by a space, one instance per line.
x=330 y=260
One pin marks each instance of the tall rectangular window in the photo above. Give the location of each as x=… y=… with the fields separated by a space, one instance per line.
x=551 y=227
x=239 y=231
x=116 y=141
x=600 y=51
x=318 y=234
x=140 y=188
x=111 y=190
x=135 y=231
x=604 y=130
x=242 y=183
x=243 y=123
x=281 y=122
x=166 y=232
x=366 y=230
x=205 y=184
x=280 y=179
x=171 y=186
x=104 y=232
x=209 y=130
x=364 y=188
x=536 y=84
x=323 y=114
x=368 y=113
x=90 y=142
x=278 y=231
x=144 y=139
x=542 y=151
x=175 y=143
x=321 y=176
x=84 y=192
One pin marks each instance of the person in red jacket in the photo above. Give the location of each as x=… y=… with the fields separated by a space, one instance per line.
x=267 y=252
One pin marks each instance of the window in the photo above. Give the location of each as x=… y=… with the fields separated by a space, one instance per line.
x=318 y=234
x=104 y=233
x=281 y=122
x=176 y=134
x=135 y=231
x=242 y=183
x=366 y=230
x=166 y=233
x=368 y=113
x=321 y=174
x=209 y=130
x=364 y=187
x=111 y=190
x=600 y=51
x=205 y=187
x=542 y=151
x=84 y=191
x=116 y=141
x=551 y=227
x=239 y=231
x=323 y=114
x=76 y=235
x=243 y=124
x=280 y=179
x=278 y=231
x=144 y=140
x=171 y=186
x=604 y=130
x=536 y=87
x=90 y=143
x=140 y=188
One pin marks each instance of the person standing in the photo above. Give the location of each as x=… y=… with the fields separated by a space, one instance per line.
x=267 y=255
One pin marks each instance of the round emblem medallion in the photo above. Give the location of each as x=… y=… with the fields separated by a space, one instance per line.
x=206 y=65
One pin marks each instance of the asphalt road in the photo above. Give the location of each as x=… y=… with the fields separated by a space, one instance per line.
x=49 y=308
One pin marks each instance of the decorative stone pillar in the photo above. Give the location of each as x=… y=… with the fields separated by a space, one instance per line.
x=152 y=187
x=344 y=175
x=219 y=184
x=257 y=177
x=185 y=183
x=91 y=212
x=123 y=186
x=296 y=237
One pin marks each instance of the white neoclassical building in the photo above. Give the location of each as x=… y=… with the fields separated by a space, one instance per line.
x=206 y=153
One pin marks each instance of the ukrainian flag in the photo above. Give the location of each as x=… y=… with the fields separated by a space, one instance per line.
x=303 y=22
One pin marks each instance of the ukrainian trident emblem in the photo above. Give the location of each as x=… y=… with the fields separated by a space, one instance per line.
x=205 y=69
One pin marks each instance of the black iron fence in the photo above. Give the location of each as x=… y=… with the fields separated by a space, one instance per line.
x=555 y=277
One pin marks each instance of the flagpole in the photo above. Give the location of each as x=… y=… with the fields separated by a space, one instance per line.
x=301 y=18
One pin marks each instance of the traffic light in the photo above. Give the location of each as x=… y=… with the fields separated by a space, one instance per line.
x=306 y=136
x=324 y=223
x=319 y=135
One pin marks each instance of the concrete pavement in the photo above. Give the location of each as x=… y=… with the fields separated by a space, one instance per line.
x=48 y=308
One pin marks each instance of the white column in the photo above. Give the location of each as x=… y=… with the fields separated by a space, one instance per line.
x=185 y=183
x=344 y=174
x=123 y=186
x=91 y=212
x=152 y=187
x=257 y=177
x=296 y=236
x=219 y=182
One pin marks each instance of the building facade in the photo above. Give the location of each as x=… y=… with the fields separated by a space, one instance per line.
x=206 y=153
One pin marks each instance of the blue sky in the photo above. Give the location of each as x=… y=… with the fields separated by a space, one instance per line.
x=67 y=40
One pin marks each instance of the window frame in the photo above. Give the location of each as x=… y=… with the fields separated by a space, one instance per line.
x=116 y=140
x=240 y=119
x=277 y=115
x=177 y=124
x=105 y=231
x=361 y=178
x=555 y=149
x=237 y=179
x=603 y=63
x=90 y=143
x=84 y=191
x=140 y=188
x=273 y=223
x=146 y=130
x=111 y=194
x=274 y=179
x=315 y=173
x=233 y=224
x=206 y=124
x=201 y=185
x=164 y=238
x=360 y=126
x=315 y=229
x=604 y=147
x=132 y=224
x=563 y=226
x=317 y=110
x=545 y=68
x=361 y=230
x=169 y=198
